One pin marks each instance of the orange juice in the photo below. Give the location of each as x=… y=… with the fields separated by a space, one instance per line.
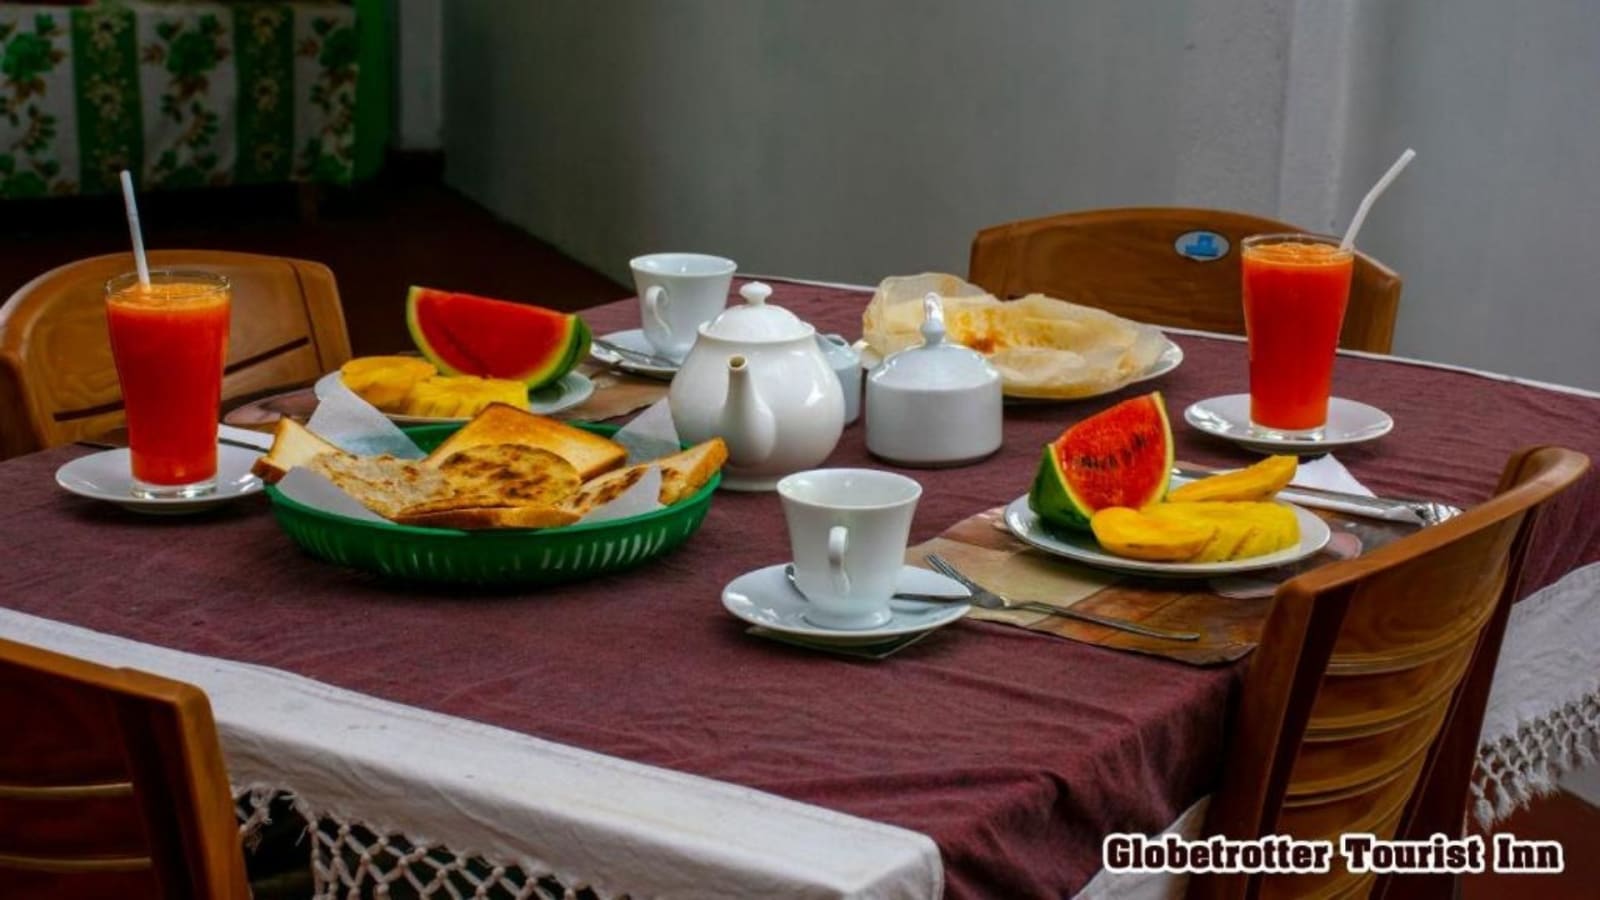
x=1295 y=290
x=170 y=339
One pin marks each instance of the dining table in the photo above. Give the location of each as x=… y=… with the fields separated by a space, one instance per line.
x=626 y=736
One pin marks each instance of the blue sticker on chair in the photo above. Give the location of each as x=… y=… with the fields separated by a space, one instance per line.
x=1201 y=246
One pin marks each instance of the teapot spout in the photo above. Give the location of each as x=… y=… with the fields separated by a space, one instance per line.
x=747 y=423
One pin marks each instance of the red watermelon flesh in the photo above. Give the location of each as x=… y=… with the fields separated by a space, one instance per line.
x=1119 y=457
x=464 y=334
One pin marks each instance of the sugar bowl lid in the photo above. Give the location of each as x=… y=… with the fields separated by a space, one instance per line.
x=937 y=364
x=757 y=320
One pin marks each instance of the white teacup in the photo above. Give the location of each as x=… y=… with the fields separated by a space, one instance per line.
x=679 y=292
x=848 y=530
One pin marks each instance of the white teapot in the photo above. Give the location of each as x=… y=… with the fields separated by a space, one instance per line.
x=756 y=378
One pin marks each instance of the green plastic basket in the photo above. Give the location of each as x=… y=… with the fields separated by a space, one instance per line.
x=499 y=557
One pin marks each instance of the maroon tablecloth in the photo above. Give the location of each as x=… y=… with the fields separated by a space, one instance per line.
x=1015 y=751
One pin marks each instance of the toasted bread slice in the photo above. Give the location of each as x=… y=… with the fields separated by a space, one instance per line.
x=598 y=492
x=684 y=473
x=681 y=475
x=500 y=423
x=292 y=445
x=383 y=484
x=474 y=518
x=508 y=475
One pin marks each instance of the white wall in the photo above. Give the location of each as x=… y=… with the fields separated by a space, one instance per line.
x=419 y=74
x=849 y=141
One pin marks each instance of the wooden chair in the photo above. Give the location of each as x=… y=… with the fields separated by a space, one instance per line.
x=111 y=785
x=1362 y=707
x=57 y=379
x=1125 y=261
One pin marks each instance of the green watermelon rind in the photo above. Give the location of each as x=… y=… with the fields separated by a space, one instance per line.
x=575 y=346
x=1051 y=497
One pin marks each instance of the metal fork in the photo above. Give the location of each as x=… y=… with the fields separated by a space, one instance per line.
x=982 y=596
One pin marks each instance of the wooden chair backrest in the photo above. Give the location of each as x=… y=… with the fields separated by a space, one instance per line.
x=1125 y=261
x=112 y=784
x=57 y=379
x=1363 y=704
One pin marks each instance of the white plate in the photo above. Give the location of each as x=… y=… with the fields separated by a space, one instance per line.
x=1025 y=524
x=1349 y=422
x=766 y=598
x=632 y=339
x=1170 y=357
x=571 y=390
x=108 y=476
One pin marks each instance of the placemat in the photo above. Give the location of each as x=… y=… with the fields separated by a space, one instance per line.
x=1229 y=613
x=616 y=393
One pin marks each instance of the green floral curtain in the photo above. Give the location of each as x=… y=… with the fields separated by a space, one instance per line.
x=183 y=94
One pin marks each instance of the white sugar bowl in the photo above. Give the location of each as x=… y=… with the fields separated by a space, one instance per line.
x=938 y=404
x=846 y=363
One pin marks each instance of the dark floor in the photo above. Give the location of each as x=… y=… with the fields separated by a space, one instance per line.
x=379 y=240
x=1560 y=817
x=383 y=238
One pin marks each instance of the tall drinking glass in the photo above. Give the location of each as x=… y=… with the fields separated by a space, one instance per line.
x=1296 y=287
x=169 y=340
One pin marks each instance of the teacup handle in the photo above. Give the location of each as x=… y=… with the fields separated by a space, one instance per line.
x=838 y=542
x=655 y=304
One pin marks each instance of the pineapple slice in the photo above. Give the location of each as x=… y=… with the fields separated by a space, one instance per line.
x=1258 y=482
x=385 y=381
x=462 y=396
x=1244 y=528
x=1132 y=534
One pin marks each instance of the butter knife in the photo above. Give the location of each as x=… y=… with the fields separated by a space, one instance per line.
x=1387 y=509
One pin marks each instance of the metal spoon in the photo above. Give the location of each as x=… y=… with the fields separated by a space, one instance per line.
x=637 y=357
x=788 y=572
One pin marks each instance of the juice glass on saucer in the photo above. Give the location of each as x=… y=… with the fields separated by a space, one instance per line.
x=1296 y=287
x=169 y=340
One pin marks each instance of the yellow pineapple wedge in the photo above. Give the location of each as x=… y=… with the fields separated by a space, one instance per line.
x=462 y=396
x=1258 y=482
x=1244 y=528
x=1132 y=534
x=385 y=381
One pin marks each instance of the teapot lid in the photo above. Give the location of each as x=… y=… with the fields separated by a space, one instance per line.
x=756 y=320
x=937 y=364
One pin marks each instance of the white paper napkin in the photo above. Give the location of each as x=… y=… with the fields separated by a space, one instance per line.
x=650 y=436
x=351 y=423
x=1329 y=474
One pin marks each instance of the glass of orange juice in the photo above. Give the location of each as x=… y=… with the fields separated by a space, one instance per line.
x=1296 y=287
x=169 y=339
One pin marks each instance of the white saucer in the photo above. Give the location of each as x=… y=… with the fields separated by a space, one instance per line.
x=1349 y=423
x=108 y=476
x=572 y=389
x=632 y=339
x=766 y=598
x=1082 y=547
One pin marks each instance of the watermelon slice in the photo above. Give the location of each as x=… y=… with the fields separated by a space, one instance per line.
x=464 y=334
x=1119 y=457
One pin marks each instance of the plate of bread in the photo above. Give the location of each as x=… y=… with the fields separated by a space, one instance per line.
x=411 y=391
x=501 y=500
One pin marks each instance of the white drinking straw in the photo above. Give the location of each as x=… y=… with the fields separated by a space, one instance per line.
x=132 y=205
x=1372 y=195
